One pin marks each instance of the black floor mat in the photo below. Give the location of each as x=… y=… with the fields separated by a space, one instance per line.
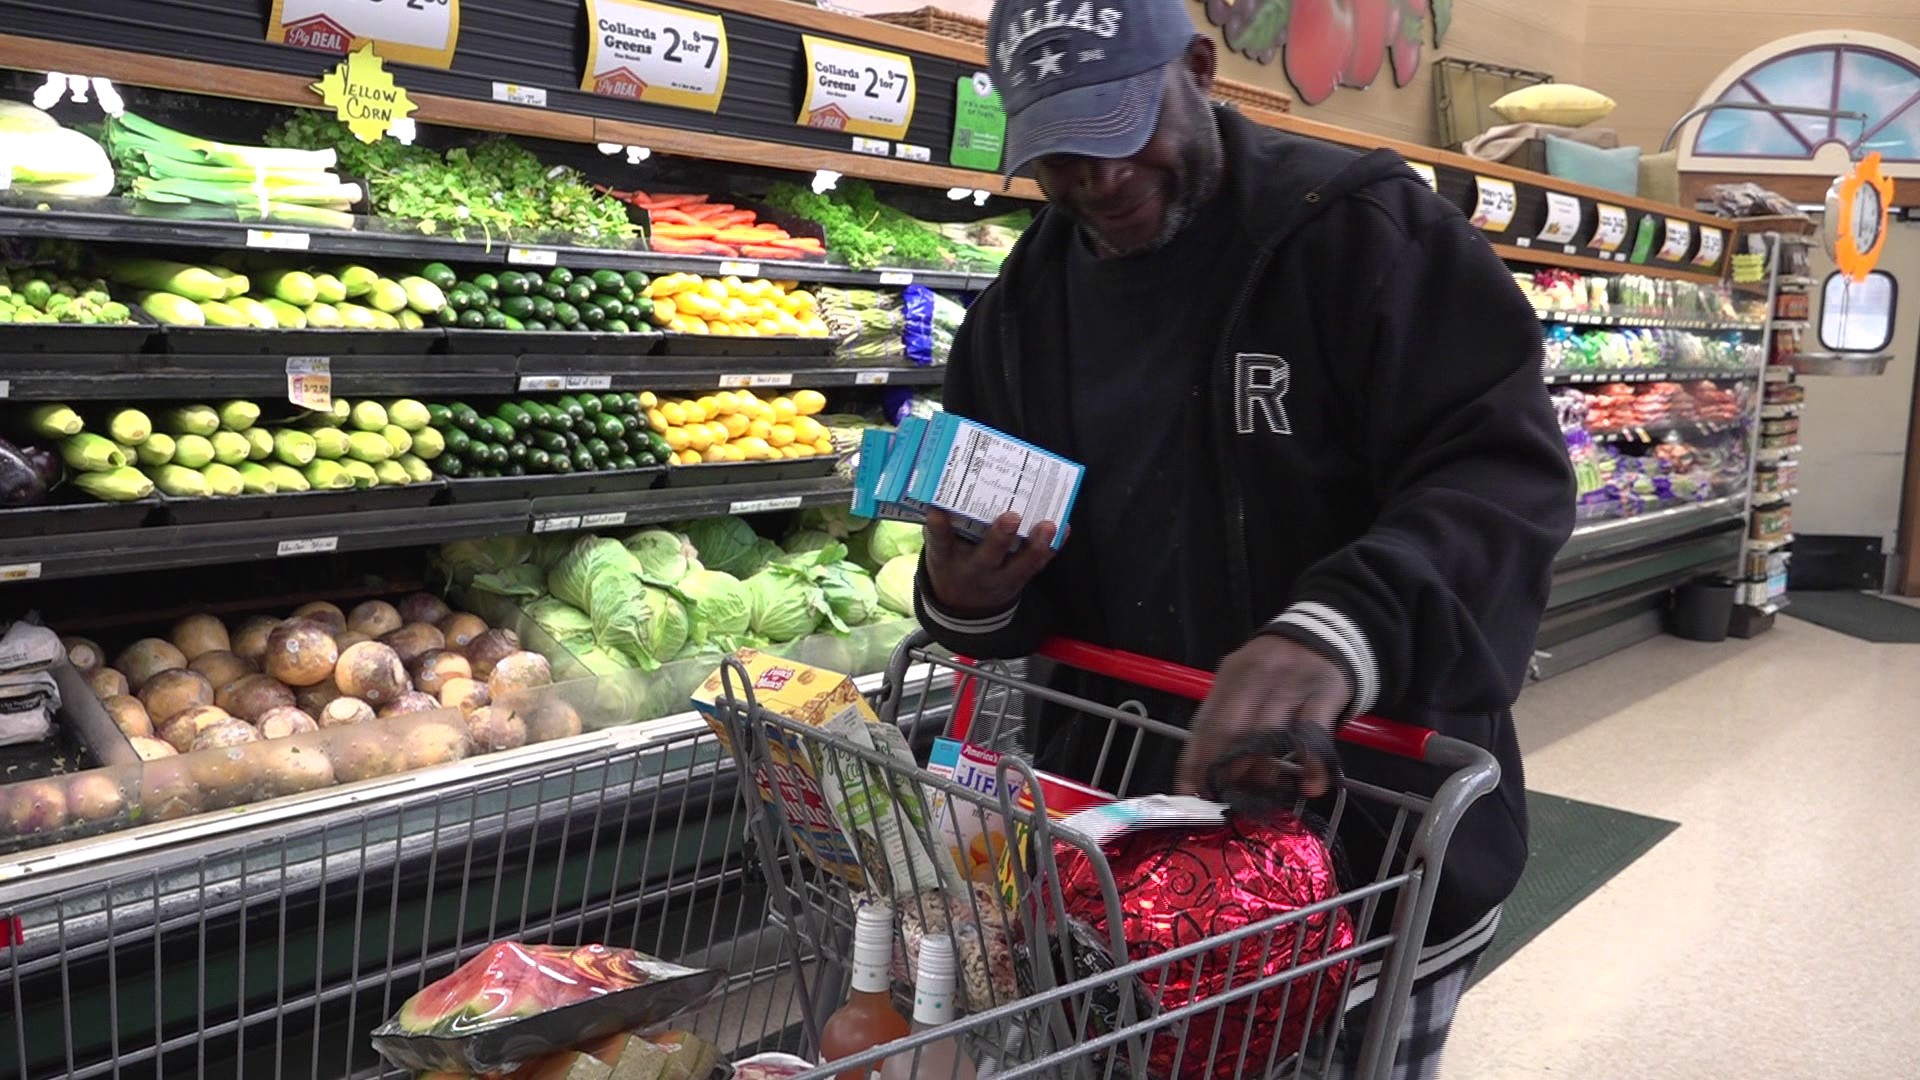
x=1575 y=847
x=1858 y=614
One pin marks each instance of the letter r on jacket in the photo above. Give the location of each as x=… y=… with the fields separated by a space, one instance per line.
x=1259 y=385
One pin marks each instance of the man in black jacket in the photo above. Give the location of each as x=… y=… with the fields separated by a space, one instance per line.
x=1320 y=457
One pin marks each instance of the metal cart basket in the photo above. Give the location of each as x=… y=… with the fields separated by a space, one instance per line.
x=1036 y=996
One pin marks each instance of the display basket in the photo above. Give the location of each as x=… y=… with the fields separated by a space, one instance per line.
x=1039 y=992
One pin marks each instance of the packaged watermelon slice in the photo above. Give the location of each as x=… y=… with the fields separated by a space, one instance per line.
x=513 y=1004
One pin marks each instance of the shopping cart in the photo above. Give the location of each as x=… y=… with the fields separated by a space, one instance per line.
x=1038 y=998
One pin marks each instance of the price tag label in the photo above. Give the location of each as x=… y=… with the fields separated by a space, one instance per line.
x=756 y=381
x=1679 y=238
x=910 y=152
x=26 y=571
x=1610 y=229
x=603 y=521
x=979 y=124
x=520 y=256
x=420 y=32
x=1563 y=219
x=556 y=524
x=872 y=147
x=1712 y=243
x=764 y=506
x=515 y=94
x=655 y=53
x=739 y=269
x=310 y=382
x=1494 y=204
x=6 y=388
x=278 y=241
x=317 y=545
x=1523 y=241
x=588 y=382
x=542 y=382
x=896 y=277
x=856 y=89
x=1425 y=172
x=871 y=378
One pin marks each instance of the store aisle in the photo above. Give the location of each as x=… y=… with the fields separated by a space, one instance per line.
x=1772 y=934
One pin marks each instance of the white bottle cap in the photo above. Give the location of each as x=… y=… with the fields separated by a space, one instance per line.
x=933 y=983
x=872 y=948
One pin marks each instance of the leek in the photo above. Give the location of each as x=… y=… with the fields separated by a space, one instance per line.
x=178 y=144
x=336 y=196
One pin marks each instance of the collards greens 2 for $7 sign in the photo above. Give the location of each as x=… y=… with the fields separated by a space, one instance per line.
x=422 y=32
x=657 y=54
x=855 y=89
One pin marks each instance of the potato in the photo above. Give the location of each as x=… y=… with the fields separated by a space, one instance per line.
x=415 y=640
x=312 y=699
x=552 y=720
x=282 y=722
x=222 y=667
x=519 y=671
x=346 y=710
x=327 y=615
x=171 y=693
x=461 y=628
x=291 y=768
x=371 y=672
x=168 y=791
x=252 y=696
x=465 y=695
x=35 y=806
x=300 y=653
x=496 y=727
x=435 y=744
x=374 y=618
x=435 y=667
x=224 y=733
x=182 y=730
x=250 y=641
x=423 y=608
x=413 y=701
x=107 y=683
x=362 y=753
x=94 y=796
x=84 y=655
x=130 y=716
x=487 y=650
x=197 y=634
x=146 y=658
x=226 y=775
x=152 y=749
x=347 y=639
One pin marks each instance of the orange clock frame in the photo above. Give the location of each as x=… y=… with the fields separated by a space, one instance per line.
x=1847 y=255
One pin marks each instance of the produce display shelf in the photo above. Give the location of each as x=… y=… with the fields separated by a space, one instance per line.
x=1661 y=432
x=618 y=509
x=1642 y=375
x=375 y=243
x=1606 y=539
x=1648 y=322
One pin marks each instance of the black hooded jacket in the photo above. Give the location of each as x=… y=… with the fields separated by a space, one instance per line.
x=1381 y=472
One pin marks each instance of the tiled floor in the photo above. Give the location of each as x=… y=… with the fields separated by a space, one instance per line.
x=1777 y=932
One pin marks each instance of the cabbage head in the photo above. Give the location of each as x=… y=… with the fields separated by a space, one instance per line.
x=718 y=606
x=836 y=521
x=567 y=625
x=546 y=550
x=850 y=595
x=637 y=622
x=591 y=558
x=599 y=661
x=888 y=540
x=786 y=605
x=763 y=554
x=523 y=582
x=464 y=560
x=802 y=542
x=664 y=557
x=724 y=543
x=894 y=583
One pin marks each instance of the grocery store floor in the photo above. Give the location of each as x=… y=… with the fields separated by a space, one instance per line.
x=1774 y=934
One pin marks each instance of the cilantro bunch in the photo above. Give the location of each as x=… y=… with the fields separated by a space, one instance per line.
x=863 y=231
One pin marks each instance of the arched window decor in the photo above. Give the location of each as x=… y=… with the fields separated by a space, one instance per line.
x=1880 y=83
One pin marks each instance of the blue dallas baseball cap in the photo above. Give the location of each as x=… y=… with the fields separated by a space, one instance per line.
x=1082 y=76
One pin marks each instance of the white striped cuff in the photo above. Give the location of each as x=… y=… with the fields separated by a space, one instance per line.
x=1345 y=639
x=958 y=625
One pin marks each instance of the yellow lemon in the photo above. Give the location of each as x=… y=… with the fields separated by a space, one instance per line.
x=781 y=436
x=733 y=453
x=714 y=453
x=699 y=326
x=688 y=457
x=783 y=408
x=676 y=439
x=714 y=290
x=718 y=429
x=736 y=425
x=691 y=412
x=755 y=448
x=675 y=413
x=647 y=400
x=789 y=451
x=657 y=420
x=823 y=446
x=809 y=402
x=698 y=437
x=759 y=429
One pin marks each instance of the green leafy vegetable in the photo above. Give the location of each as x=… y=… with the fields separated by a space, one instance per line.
x=591 y=558
x=664 y=557
x=724 y=543
x=718 y=605
x=894 y=583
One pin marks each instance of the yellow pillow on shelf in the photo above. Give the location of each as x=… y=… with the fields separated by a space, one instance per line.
x=1561 y=104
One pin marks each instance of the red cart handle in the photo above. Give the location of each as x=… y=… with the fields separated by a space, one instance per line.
x=1372 y=732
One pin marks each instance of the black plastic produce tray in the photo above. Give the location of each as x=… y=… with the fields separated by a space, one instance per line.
x=79 y=515
x=463 y=341
x=474 y=489
x=70 y=338
x=300 y=504
x=232 y=340
x=726 y=345
x=749 y=472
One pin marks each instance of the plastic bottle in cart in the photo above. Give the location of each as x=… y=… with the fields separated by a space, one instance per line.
x=932 y=1006
x=868 y=1019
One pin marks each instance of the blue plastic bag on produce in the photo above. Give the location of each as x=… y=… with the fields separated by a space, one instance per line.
x=916 y=336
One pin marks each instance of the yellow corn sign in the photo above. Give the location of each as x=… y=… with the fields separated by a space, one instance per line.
x=364 y=95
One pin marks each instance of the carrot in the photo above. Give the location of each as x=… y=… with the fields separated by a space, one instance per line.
x=800 y=243
x=769 y=251
x=685 y=232
x=670 y=217
x=667 y=245
x=724 y=251
x=739 y=235
x=707 y=211
x=734 y=217
x=676 y=202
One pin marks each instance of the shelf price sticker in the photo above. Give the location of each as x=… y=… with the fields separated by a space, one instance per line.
x=1563 y=219
x=739 y=269
x=423 y=32
x=1494 y=204
x=759 y=380
x=1610 y=230
x=522 y=256
x=608 y=520
x=856 y=89
x=764 y=506
x=316 y=545
x=556 y=524
x=279 y=240
x=655 y=53
x=1712 y=243
x=515 y=94
x=26 y=571
x=896 y=278
x=1425 y=172
x=871 y=378
x=310 y=382
x=1679 y=237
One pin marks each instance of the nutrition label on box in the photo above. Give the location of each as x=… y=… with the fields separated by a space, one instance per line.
x=984 y=475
